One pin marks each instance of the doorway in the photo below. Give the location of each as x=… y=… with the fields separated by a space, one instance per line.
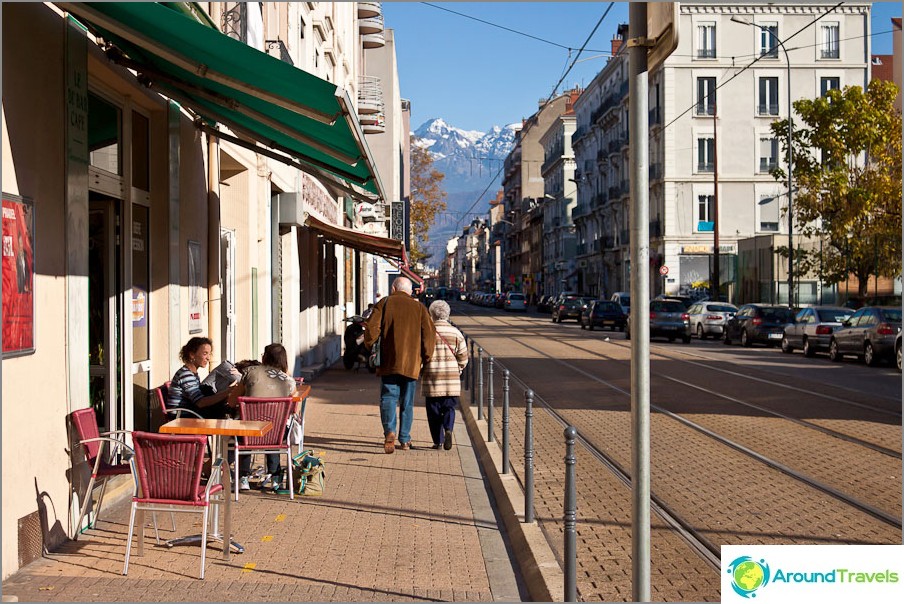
x=105 y=304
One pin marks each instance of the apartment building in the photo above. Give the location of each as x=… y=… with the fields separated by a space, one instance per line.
x=165 y=201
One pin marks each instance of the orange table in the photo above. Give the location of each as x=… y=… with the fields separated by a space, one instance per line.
x=224 y=428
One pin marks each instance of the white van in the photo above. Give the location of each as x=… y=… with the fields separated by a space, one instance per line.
x=624 y=299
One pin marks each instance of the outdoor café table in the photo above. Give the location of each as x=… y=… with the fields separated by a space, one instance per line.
x=224 y=428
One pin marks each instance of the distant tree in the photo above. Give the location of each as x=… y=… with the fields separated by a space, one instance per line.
x=427 y=199
x=847 y=180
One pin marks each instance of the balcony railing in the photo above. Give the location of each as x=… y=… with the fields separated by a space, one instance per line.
x=705 y=167
x=767 y=109
x=370 y=95
x=767 y=164
x=277 y=48
x=369 y=9
x=615 y=145
x=706 y=53
x=706 y=108
x=829 y=53
x=600 y=199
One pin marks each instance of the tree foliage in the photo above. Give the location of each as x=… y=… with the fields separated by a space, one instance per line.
x=847 y=181
x=427 y=198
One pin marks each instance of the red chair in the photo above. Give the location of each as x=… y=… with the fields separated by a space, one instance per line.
x=276 y=411
x=92 y=441
x=175 y=412
x=167 y=470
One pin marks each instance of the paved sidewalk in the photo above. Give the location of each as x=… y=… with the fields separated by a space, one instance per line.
x=417 y=525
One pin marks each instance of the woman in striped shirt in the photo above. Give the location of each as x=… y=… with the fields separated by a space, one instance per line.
x=441 y=377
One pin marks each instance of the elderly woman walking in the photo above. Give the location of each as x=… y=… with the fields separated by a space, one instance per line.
x=441 y=377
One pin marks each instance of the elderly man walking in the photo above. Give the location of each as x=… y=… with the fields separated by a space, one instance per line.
x=408 y=339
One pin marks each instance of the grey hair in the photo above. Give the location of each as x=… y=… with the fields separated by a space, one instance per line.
x=440 y=311
x=402 y=284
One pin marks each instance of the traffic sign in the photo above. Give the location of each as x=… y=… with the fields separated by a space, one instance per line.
x=663 y=270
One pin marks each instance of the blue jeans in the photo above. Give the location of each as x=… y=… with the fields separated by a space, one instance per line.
x=397 y=390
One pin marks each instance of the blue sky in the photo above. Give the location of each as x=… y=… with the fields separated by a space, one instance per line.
x=476 y=76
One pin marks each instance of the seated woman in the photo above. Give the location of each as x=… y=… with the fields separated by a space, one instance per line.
x=185 y=389
x=269 y=378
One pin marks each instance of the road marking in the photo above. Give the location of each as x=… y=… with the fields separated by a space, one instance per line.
x=249 y=567
x=281 y=517
x=267 y=538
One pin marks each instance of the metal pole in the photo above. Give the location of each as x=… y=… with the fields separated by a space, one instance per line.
x=505 y=421
x=714 y=284
x=490 y=400
x=528 y=456
x=790 y=182
x=479 y=382
x=467 y=374
x=571 y=513
x=471 y=370
x=640 y=302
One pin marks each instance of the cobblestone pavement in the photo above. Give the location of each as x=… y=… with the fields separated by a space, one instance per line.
x=413 y=526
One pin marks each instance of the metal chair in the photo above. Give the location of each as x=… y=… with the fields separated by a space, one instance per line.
x=167 y=471
x=92 y=440
x=276 y=411
x=175 y=412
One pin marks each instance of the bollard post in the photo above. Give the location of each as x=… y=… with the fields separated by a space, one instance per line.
x=472 y=369
x=466 y=384
x=505 y=421
x=490 y=400
x=528 y=456
x=570 y=517
x=479 y=382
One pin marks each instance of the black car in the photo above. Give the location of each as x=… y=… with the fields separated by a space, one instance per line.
x=568 y=307
x=668 y=319
x=603 y=314
x=758 y=324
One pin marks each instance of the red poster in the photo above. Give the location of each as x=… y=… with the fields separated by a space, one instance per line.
x=18 y=275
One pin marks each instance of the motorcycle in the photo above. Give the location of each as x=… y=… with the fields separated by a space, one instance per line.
x=355 y=350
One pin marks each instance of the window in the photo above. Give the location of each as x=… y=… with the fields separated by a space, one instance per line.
x=768 y=96
x=768 y=154
x=827 y=84
x=769 y=213
x=829 y=48
x=705 y=149
x=706 y=41
x=706 y=96
x=769 y=40
x=704 y=210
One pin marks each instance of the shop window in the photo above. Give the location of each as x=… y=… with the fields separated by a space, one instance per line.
x=140 y=152
x=104 y=134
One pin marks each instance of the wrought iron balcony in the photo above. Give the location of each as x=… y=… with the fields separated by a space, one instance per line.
x=276 y=48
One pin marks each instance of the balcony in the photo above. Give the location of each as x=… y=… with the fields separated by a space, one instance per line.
x=607 y=242
x=615 y=145
x=614 y=192
x=371 y=30
x=580 y=250
x=370 y=95
x=369 y=9
x=581 y=209
x=600 y=199
x=373 y=123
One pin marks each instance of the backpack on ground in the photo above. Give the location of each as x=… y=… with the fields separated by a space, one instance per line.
x=310 y=473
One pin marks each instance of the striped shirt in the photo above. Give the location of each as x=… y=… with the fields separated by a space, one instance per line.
x=442 y=375
x=185 y=389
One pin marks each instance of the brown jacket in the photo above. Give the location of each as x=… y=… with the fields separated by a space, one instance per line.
x=408 y=334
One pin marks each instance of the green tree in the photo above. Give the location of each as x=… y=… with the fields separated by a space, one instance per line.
x=847 y=180
x=427 y=199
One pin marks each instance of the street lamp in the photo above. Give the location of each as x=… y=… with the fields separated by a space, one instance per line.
x=737 y=19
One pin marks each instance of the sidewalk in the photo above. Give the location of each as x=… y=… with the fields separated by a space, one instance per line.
x=414 y=525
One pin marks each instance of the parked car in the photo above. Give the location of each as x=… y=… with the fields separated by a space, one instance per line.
x=813 y=327
x=898 y=351
x=869 y=334
x=623 y=299
x=668 y=319
x=758 y=324
x=515 y=301
x=603 y=314
x=709 y=318
x=569 y=306
x=685 y=300
x=545 y=303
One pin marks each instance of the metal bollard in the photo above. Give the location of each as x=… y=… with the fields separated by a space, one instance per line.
x=490 y=400
x=471 y=370
x=505 y=421
x=528 y=456
x=570 y=517
x=479 y=382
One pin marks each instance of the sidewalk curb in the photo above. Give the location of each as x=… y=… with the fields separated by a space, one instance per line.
x=542 y=574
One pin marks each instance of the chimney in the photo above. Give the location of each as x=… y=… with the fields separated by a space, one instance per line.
x=616 y=45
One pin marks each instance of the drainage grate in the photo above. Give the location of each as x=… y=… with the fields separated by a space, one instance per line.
x=30 y=538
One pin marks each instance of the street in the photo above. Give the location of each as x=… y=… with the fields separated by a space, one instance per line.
x=748 y=446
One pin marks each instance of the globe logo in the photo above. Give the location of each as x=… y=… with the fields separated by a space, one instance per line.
x=748 y=575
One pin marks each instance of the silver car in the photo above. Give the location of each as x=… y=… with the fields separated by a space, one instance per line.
x=813 y=328
x=709 y=318
x=869 y=333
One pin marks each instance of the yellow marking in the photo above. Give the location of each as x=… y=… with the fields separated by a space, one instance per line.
x=281 y=517
x=249 y=567
x=267 y=538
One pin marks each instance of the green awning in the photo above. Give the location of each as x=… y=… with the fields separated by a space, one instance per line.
x=227 y=81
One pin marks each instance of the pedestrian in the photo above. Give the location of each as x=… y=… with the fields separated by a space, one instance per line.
x=269 y=378
x=185 y=388
x=441 y=383
x=407 y=339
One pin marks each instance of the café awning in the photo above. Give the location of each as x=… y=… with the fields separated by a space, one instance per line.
x=372 y=244
x=226 y=81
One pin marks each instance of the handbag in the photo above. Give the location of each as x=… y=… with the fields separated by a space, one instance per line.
x=309 y=473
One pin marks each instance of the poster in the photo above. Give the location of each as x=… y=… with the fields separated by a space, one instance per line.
x=18 y=275
x=194 y=287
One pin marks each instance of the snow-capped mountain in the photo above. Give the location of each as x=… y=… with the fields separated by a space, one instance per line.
x=472 y=163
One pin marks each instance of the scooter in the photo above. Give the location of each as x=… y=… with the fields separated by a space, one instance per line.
x=355 y=350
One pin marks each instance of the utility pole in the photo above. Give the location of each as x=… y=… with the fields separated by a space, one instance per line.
x=714 y=282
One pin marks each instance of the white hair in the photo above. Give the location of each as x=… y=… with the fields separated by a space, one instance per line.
x=440 y=311
x=402 y=284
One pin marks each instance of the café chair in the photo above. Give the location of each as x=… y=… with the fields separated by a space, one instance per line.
x=276 y=411
x=172 y=412
x=92 y=441
x=167 y=471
